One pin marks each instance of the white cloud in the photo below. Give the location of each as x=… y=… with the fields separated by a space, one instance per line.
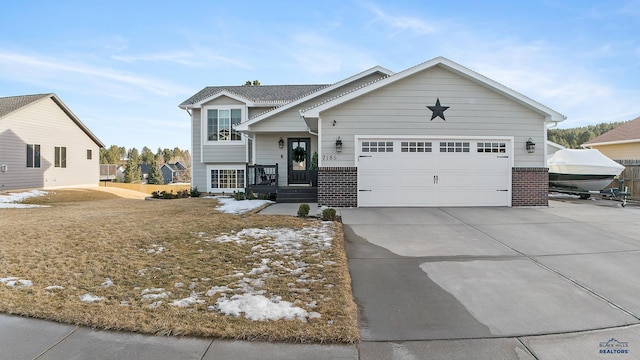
x=402 y=23
x=59 y=71
x=201 y=58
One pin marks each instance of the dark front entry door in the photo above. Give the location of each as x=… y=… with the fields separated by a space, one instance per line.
x=299 y=160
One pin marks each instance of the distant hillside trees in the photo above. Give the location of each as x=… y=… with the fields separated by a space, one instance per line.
x=574 y=137
x=119 y=155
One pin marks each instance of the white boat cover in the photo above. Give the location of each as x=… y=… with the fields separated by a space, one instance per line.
x=582 y=162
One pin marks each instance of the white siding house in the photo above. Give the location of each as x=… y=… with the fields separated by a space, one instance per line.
x=436 y=134
x=44 y=145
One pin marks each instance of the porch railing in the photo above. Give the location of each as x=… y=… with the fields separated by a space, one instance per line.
x=262 y=179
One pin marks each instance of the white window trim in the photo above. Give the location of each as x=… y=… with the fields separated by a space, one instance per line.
x=224 y=167
x=204 y=121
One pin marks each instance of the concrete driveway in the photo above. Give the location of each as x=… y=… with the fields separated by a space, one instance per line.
x=496 y=282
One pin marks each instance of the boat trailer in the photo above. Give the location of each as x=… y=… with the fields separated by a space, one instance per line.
x=616 y=194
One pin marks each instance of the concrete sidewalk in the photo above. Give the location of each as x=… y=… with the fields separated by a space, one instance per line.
x=25 y=338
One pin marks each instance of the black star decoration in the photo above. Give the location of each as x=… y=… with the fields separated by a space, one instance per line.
x=438 y=110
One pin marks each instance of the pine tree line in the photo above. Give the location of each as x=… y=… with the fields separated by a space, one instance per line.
x=574 y=137
x=132 y=158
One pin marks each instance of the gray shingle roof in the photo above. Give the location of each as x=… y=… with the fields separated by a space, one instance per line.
x=12 y=103
x=268 y=94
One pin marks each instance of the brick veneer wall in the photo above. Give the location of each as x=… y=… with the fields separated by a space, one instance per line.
x=530 y=187
x=338 y=186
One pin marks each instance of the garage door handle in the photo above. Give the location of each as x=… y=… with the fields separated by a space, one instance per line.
x=365 y=156
x=503 y=157
x=365 y=190
x=502 y=190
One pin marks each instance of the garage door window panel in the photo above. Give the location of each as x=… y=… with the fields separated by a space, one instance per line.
x=415 y=146
x=492 y=147
x=377 y=146
x=454 y=147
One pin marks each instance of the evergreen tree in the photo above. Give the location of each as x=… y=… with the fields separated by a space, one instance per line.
x=133 y=154
x=132 y=173
x=155 y=174
x=167 y=154
x=147 y=156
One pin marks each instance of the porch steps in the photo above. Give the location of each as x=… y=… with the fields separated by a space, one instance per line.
x=297 y=194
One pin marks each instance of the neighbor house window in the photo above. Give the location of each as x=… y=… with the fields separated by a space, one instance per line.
x=33 y=156
x=221 y=124
x=227 y=179
x=89 y=154
x=60 y=157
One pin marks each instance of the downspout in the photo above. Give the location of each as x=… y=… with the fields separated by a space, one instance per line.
x=253 y=148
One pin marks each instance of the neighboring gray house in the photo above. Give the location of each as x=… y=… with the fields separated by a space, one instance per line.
x=44 y=145
x=436 y=134
x=172 y=173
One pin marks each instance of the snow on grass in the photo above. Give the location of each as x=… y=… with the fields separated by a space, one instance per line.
x=233 y=206
x=54 y=287
x=274 y=252
x=9 y=200
x=90 y=298
x=259 y=308
x=14 y=282
x=287 y=245
x=188 y=301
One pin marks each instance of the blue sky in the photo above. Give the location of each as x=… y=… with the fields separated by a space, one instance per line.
x=123 y=67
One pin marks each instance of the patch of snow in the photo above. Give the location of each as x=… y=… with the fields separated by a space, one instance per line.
x=259 y=308
x=107 y=283
x=154 y=294
x=155 y=304
x=233 y=206
x=54 y=287
x=155 y=249
x=15 y=282
x=178 y=285
x=10 y=200
x=188 y=301
x=90 y=298
x=217 y=289
x=314 y=315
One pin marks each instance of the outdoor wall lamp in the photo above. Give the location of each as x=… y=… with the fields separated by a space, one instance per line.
x=281 y=143
x=334 y=123
x=338 y=145
x=531 y=146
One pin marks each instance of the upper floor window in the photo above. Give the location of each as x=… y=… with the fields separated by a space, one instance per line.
x=221 y=124
x=33 y=156
x=89 y=154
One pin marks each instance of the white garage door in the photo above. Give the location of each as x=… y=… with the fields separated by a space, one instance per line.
x=438 y=172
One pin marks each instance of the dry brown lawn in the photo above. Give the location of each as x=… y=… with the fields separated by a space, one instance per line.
x=165 y=267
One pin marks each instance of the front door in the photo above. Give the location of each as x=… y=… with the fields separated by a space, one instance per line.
x=299 y=158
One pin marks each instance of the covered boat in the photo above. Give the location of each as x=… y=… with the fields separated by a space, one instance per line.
x=582 y=169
